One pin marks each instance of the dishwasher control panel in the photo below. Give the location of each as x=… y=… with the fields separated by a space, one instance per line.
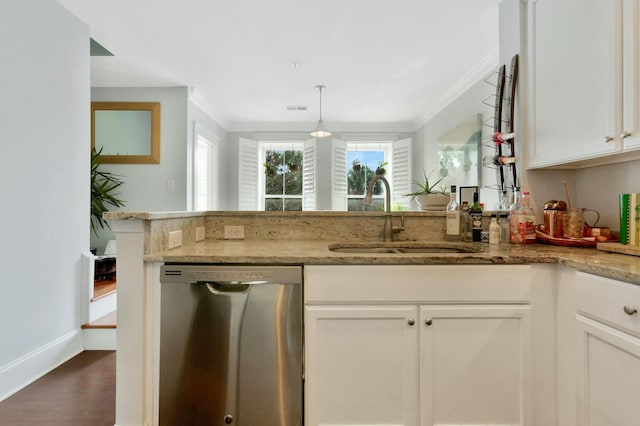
x=230 y=274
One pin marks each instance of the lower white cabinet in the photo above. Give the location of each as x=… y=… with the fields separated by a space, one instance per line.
x=474 y=364
x=390 y=356
x=361 y=366
x=608 y=375
x=607 y=327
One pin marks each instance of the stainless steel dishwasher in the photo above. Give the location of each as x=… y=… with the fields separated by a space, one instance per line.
x=231 y=345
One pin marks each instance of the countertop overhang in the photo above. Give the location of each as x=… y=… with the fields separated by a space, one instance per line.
x=611 y=265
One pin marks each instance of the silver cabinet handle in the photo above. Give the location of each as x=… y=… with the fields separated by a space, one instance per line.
x=630 y=310
x=428 y=321
x=411 y=321
x=625 y=135
x=608 y=139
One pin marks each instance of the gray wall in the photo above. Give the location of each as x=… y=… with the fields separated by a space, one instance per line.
x=460 y=109
x=44 y=175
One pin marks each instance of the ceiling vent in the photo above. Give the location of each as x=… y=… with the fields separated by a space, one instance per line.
x=296 y=107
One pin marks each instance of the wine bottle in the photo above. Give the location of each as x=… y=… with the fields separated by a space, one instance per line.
x=476 y=219
x=497 y=160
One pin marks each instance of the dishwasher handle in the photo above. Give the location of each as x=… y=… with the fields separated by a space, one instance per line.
x=222 y=287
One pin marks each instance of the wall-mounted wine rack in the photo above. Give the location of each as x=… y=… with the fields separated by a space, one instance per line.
x=503 y=139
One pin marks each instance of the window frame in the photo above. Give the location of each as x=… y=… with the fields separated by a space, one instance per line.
x=263 y=147
x=386 y=147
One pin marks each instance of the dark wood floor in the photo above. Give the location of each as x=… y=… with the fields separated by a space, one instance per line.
x=80 y=392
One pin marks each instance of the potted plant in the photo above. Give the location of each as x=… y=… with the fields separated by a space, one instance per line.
x=428 y=197
x=356 y=166
x=380 y=170
x=103 y=193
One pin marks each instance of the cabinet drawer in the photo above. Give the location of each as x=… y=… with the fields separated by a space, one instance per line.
x=418 y=283
x=606 y=299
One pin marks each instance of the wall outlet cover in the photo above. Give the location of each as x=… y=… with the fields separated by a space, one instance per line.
x=200 y=233
x=175 y=239
x=234 y=232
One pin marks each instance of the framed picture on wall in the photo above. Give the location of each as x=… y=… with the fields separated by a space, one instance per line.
x=466 y=194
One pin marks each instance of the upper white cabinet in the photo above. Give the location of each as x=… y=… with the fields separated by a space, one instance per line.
x=582 y=81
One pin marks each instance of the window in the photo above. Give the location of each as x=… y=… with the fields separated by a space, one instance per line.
x=364 y=161
x=282 y=167
x=203 y=181
x=307 y=175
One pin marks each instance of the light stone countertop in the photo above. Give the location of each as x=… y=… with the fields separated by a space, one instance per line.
x=611 y=265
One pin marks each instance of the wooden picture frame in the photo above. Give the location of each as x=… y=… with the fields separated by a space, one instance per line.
x=127 y=132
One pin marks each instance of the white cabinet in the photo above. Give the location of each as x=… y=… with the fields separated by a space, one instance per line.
x=409 y=345
x=608 y=351
x=474 y=361
x=608 y=375
x=582 y=81
x=361 y=365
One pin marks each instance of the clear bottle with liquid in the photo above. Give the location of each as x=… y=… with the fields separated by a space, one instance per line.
x=465 y=222
x=494 y=231
x=514 y=232
x=528 y=220
x=452 y=232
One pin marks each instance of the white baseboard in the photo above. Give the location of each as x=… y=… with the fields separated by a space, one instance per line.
x=30 y=367
x=100 y=339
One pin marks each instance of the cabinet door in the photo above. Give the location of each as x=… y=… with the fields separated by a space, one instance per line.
x=361 y=365
x=474 y=365
x=631 y=74
x=608 y=375
x=574 y=57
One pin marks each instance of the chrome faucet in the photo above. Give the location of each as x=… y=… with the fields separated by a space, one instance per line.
x=389 y=229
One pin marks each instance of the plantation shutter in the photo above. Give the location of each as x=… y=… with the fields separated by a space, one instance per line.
x=248 y=178
x=338 y=175
x=309 y=185
x=401 y=173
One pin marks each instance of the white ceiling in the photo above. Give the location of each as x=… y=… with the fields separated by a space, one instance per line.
x=394 y=62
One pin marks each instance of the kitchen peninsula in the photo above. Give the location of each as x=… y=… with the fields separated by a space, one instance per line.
x=530 y=280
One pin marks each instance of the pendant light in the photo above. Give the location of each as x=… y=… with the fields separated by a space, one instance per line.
x=320 y=131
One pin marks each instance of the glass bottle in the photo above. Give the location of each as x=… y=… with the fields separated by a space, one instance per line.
x=476 y=219
x=452 y=232
x=514 y=211
x=465 y=222
x=528 y=220
x=494 y=230
x=504 y=202
x=504 y=227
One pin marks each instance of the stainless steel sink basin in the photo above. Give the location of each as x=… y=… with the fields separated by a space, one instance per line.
x=363 y=250
x=403 y=248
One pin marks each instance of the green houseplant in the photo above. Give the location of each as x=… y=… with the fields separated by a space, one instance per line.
x=428 y=197
x=103 y=193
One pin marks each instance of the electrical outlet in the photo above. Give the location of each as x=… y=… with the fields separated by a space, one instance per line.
x=199 y=233
x=175 y=239
x=234 y=232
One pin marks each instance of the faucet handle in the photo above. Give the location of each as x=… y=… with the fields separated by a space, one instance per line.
x=396 y=229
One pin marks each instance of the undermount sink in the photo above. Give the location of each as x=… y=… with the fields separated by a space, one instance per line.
x=403 y=248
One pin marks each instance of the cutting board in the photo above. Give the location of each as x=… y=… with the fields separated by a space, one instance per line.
x=619 y=248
